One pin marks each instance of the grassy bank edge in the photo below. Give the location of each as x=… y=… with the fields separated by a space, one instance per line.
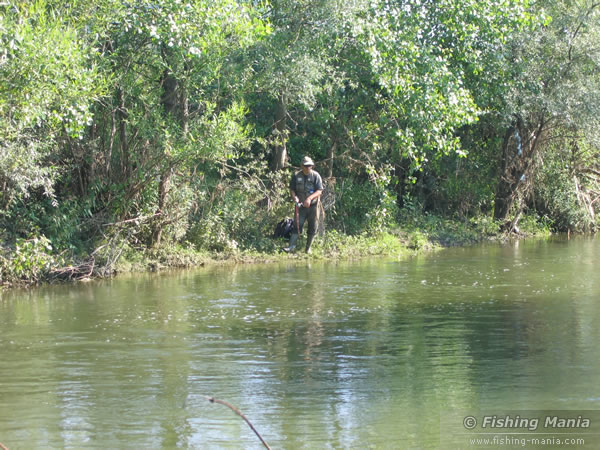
x=33 y=263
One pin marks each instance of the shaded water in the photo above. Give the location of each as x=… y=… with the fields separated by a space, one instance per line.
x=329 y=355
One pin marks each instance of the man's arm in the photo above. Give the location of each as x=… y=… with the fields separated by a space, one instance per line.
x=311 y=197
x=294 y=196
x=292 y=187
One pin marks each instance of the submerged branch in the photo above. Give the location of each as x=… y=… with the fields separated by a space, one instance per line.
x=239 y=413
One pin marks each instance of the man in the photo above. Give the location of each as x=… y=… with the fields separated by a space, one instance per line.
x=306 y=187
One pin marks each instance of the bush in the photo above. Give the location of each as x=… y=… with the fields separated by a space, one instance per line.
x=563 y=186
x=240 y=214
x=363 y=206
x=29 y=262
x=532 y=224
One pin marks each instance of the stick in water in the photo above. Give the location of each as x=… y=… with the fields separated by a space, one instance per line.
x=239 y=413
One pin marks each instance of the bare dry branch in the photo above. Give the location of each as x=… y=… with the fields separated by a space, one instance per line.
x=239 y=413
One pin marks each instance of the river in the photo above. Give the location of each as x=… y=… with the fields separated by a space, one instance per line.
x=325 y=355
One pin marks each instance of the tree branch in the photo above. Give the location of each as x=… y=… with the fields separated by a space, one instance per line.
x=239 y=413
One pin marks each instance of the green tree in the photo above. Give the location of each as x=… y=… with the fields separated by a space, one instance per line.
x=542 y=80
x=406 y=72
x=295 y=66
x=420 y=53
x=49 y=85
x=172 y=102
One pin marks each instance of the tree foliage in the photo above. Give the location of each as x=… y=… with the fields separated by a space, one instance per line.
x=161 y=121
x=50 y=83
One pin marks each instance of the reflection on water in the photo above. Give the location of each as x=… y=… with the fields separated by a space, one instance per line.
x=327 y=355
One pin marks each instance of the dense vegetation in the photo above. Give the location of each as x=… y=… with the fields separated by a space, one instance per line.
x=171 y=127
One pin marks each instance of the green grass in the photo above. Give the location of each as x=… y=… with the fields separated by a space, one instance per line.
x=419 y=234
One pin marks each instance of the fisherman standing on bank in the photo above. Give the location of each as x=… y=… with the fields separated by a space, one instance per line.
x=306 y=187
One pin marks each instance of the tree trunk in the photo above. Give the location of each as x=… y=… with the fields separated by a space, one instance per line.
x=171 y=105
x=163 y=192
x=185 y=111
x=517 y=168
x=281 y=134
x=122 y=117
x=168 y=98
x=401 y=172
x=330 y=156
x=504 y=197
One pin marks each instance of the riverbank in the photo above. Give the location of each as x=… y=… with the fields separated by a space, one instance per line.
x=34 y=261
x=425 y=234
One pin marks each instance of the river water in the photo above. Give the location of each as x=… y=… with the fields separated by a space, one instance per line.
x=326 y=355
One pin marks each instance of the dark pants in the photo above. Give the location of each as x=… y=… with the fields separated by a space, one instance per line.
x=309 y=214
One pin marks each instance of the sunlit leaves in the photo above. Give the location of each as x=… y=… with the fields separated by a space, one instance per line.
x=48 y=77
x=420 y=52
x=49 y=83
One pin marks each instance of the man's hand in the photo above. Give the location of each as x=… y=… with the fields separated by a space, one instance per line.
x=306 y=203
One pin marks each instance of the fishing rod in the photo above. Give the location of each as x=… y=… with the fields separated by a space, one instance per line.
x=298 y=205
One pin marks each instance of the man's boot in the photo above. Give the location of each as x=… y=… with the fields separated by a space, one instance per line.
x=309 y=241
x=292 y=245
